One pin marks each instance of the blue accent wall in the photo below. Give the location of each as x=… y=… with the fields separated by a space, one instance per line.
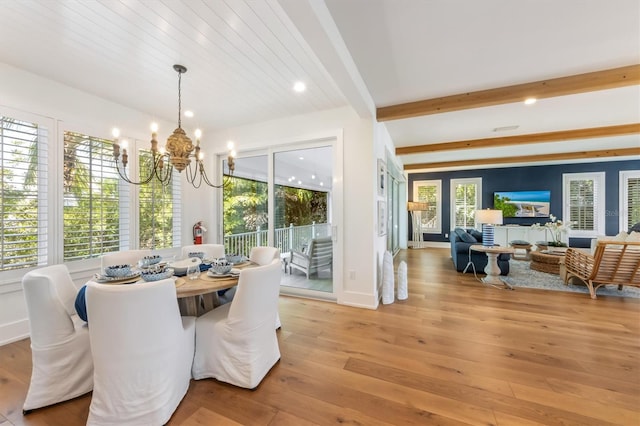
x=528 y=178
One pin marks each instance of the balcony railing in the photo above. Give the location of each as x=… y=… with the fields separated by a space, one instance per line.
x=286 y=239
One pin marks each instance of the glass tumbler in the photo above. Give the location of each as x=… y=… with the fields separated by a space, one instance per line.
x=193 y=271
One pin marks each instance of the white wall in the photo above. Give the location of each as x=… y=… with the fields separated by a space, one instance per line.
x=363 y=142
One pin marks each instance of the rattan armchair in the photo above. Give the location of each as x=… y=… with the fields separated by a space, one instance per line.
x=613 y=262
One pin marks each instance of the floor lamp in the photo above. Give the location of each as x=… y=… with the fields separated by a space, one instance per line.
x=415 y=208
x=488 y=218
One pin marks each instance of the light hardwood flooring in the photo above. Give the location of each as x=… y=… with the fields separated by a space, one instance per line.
x=455 y=352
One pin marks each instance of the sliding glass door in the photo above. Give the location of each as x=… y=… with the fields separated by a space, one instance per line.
x=302 y=216
x=284 y=197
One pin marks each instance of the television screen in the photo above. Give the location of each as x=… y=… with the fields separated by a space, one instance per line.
x=522 y=203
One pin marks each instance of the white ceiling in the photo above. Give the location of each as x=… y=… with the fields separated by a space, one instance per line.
x=244 y=56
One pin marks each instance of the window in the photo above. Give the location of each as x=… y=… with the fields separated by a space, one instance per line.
x=629 y=199
x=93 y=210
x=23 y=166
x=465 y=200
x=430 y=192
x=159 y=207
x=583 y=203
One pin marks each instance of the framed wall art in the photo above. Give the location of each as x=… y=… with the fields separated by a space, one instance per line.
x=382 y=218
x=382 y=178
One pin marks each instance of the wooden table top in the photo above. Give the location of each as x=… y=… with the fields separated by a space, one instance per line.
x=492 y=249
x=186 y=287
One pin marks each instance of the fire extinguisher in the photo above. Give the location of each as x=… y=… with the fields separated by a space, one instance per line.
x=198 y=231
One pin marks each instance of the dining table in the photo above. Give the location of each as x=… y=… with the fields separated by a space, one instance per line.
x=200 y=295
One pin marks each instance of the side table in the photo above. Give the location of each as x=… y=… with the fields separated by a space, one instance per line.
x=492 y=269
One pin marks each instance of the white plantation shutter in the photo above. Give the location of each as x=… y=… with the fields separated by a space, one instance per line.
x=629 y=199
x=430 y=192
x=159 y=210
x=93 y=210
x=23 y=208
x=583 y=203
x=465 y=200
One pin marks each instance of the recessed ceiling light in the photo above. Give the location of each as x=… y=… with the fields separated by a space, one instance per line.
x=299 y=87
x=505 y=128
x=301 y=158
x=188 y=113
x=530 y=101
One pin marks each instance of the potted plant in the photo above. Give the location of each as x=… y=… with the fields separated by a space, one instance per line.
x=557 y=228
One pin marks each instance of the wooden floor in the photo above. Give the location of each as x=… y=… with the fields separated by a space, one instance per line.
x=456 y=352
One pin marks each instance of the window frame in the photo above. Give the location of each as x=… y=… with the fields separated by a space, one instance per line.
x=599 y=179
x=453 y=183
x=45 y=175
x=625 y=175
x=437 y=183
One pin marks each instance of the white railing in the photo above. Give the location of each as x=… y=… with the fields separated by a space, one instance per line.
x=286 y=239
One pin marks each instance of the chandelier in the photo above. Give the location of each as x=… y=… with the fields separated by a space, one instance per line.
x=178 y=153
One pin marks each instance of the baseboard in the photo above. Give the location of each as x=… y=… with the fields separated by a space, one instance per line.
x=14 y=331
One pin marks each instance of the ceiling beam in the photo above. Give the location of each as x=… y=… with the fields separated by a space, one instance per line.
x=564 y=135
x=589 y=82
x=622 y=152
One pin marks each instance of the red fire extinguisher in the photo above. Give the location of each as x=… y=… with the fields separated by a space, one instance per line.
x=198 y=230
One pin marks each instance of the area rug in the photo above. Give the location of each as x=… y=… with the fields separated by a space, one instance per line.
x=520 y=275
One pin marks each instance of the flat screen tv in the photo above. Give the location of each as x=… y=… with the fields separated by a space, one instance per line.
x=522 y=203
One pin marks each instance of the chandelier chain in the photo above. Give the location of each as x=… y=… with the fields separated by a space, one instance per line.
x=179 y=99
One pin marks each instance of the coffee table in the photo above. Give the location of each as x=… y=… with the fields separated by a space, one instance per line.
x=492 y=269
x=545 y=261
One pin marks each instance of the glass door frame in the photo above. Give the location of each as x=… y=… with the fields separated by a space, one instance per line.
x=335 y=141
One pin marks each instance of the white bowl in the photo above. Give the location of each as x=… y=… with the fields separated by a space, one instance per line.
x=180 y=266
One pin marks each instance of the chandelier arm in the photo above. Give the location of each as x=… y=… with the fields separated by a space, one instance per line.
x=123 y=175
x=164 y=173
x=225 y=182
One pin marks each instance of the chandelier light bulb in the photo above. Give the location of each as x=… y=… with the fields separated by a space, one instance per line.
x=115 y=132
x=232 y=153
x=124 y=144
x=154 y=127
x=198 y=133
x=230 y=145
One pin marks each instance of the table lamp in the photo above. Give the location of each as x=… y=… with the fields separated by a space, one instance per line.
x=488 y=218
x=415 y=208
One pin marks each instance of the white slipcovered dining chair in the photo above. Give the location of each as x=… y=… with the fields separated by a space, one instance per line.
x=142 y=352
x=237 y=343
x=213 y=251
x=264 y=255
x=125 y=257
x=60 y=350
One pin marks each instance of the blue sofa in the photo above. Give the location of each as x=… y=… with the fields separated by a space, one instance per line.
x=460 y=244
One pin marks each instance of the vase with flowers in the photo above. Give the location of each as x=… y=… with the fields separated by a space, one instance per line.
x=556 y=228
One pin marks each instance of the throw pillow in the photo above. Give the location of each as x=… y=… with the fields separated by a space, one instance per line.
x=459 y=233
x=634 y=237
x=468 y=238
x=476 y=234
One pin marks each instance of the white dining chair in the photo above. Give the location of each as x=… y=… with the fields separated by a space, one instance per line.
x=213 y=251
x=124 y=257
x=236 y=343
x=263 y=255
x=142 y=352
x=62 y=367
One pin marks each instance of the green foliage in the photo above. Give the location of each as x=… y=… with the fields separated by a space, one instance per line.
x=502 y=203
x=245 y=206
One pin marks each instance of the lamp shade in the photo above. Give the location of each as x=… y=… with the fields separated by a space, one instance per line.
x=489 y=216
x=414 y=206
